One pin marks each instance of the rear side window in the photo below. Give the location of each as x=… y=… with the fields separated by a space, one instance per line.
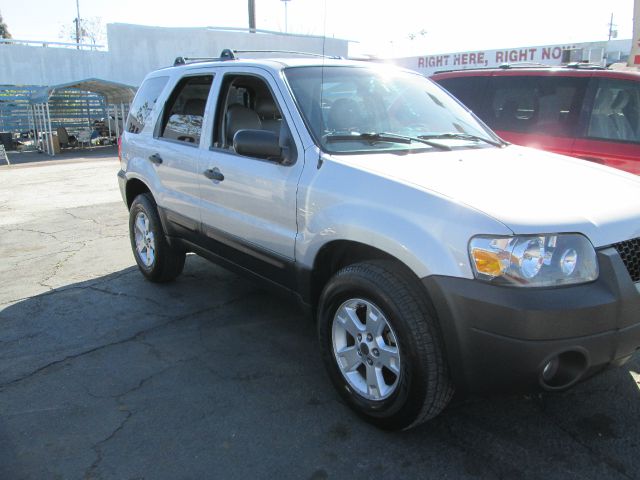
x=184 y=110
x=144 y=102
x=469 y=90
x=616 y=111
x=537 y=104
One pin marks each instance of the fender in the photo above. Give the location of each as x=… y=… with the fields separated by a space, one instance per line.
x=428 y=232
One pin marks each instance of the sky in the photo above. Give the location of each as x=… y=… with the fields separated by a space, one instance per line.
x=378 y=27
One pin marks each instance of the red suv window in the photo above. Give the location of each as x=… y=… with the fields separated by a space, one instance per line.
x=593 y=115
x=616 y=111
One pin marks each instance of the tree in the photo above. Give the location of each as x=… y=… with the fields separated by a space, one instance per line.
x=4 y=31
x=92 y=31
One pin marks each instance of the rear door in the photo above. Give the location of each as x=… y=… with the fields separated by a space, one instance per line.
x=175 y=150
x=612 y=133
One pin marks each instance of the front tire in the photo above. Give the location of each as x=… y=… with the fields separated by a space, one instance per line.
x=157 y=260
x=382 y=346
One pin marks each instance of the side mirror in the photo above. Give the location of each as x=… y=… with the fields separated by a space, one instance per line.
x=258 y=143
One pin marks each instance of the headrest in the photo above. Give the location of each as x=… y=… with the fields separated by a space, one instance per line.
x=266 y=108
x=240 y=118
x=621 y=100
x=345 y=114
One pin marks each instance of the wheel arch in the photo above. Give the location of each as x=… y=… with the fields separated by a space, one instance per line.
x=336 y=255
x=133 y=188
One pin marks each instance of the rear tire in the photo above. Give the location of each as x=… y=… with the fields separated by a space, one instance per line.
x=382 y=347
x=157 y=260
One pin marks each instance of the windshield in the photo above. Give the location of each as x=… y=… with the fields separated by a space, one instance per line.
x=356 y=109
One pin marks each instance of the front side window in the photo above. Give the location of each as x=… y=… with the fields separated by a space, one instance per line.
x=536 y=104
x=357 y=109
x=184 y=110
x=616 y=111
x=144 y=102
x=248 y=105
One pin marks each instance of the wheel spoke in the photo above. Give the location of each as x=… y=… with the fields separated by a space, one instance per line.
x=390 y=358
x=375 y=322
x=140 y=225
x=349 y=359
x=375 y=383
x=350 y=321
x=150 y=255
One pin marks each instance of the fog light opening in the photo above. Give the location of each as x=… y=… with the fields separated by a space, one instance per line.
x=563 y=370
x=550 y=369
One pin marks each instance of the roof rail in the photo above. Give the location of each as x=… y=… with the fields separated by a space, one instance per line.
x=230 y=54
x=522 y=65
x=186 y=60
x=294 y=52
x=585 y=66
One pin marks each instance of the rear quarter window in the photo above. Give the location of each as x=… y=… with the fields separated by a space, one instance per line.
x=144 y=102
x=616 y=111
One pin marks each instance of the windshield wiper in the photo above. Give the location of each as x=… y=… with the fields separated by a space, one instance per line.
x=383 y=137
x=464 y=136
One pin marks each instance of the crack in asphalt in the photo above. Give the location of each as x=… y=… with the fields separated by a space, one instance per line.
x=93 y=220
x=56 y=268
x=29 y=230
x=67 y=288
x=127 y=295
x=97 y=448
x=130 y=338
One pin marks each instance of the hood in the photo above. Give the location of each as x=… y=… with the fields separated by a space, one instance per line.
x=529 y=191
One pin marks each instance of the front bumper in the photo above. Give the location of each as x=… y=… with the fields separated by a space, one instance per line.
x=500 y=338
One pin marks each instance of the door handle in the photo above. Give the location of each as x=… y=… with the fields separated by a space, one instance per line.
x=214 y=174
x=156 y=158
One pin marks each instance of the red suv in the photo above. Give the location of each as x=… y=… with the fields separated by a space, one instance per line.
x=584 y=112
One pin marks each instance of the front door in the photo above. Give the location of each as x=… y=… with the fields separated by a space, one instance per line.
x=248 y=204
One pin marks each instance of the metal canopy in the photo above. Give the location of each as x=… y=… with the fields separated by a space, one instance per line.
x=113 y=92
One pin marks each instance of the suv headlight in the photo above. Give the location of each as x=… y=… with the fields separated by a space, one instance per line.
x=534 y=260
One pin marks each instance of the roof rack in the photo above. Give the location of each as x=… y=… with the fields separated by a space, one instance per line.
x=229 y=54
x=585 y=66
x=506 y=66
x=295 y=52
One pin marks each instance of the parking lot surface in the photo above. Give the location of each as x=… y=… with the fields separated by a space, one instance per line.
x=105 y=375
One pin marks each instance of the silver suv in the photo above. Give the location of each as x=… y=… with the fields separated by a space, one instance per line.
x=433 y=255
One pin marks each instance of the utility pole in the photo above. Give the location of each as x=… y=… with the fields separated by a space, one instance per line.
x=612 y=33
x=286 y=16
x=78 y=24
x=252 y=16
x=634 y=56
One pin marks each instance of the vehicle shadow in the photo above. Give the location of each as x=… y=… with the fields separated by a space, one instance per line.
x=212 y=376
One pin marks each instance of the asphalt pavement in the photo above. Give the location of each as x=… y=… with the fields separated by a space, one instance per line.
x=105 y=375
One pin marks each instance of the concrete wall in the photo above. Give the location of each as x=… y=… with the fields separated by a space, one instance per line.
x=25 y=65
x=135 y=50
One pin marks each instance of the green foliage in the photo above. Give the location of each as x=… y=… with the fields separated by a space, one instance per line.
x=4 y=31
